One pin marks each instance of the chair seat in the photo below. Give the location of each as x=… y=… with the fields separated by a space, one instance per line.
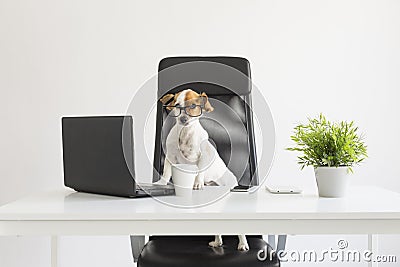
x=193 y=251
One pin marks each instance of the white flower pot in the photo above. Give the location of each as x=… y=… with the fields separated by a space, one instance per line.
x=332 y=181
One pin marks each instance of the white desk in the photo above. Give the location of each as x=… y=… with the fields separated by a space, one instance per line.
x=366 y=210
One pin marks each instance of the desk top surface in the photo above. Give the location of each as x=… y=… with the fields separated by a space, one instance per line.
x=362 y=202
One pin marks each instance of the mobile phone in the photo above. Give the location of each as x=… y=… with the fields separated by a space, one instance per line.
x=282 y=189
x=241 y=188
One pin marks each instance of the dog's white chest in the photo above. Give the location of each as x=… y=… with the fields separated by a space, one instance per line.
x=183 y=144
x=188 y=145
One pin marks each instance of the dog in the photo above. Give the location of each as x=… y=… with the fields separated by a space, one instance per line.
x=188 y=143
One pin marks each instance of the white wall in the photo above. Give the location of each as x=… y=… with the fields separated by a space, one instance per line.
x=89 y=57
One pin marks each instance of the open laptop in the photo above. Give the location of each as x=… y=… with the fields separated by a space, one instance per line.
x=98 y=157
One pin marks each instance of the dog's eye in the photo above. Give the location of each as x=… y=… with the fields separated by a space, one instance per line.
x=192 y=106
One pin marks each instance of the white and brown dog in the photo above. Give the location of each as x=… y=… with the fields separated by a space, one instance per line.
x=188 y=143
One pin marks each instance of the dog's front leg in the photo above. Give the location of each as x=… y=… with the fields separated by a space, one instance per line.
x=217 y=242
x=243 y=246
x=203 y=164
x=166 y=173
x=199 y=181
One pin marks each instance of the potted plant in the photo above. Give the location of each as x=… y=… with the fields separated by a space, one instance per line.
x=332 y=148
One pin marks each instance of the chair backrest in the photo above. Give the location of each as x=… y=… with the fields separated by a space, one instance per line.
x=227 y=82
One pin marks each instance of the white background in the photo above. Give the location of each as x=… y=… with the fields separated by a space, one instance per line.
x=89 y=57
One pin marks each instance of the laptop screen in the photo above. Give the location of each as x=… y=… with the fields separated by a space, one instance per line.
x=98 y=154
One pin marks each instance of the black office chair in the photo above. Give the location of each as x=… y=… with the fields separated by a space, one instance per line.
x=226 y=81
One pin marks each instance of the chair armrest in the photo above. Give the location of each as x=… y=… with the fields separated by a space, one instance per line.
x=137 y=244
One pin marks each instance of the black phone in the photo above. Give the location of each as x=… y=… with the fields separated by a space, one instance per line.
x=241 y=188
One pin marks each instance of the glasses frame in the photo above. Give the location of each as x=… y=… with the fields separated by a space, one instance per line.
x=184 y=109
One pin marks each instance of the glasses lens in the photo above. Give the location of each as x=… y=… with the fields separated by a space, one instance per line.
x=193 y=110
x=174 y=112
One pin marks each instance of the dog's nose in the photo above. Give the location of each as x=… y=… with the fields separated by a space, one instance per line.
x=183 y=119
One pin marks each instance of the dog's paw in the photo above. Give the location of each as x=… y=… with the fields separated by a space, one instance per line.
x=243 y=247
x=198 y=186
x=215 y=244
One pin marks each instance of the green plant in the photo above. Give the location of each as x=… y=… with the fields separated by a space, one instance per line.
x=331 y=144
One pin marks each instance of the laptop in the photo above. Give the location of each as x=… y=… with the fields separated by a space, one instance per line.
x=98 y=157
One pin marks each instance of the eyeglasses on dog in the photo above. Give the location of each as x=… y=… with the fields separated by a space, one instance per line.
x=192 y=110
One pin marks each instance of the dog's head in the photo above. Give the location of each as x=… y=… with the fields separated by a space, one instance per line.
x=187 y=105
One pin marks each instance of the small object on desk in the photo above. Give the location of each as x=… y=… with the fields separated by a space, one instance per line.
x=243 y=188
x=183 y=176
x=282 y=189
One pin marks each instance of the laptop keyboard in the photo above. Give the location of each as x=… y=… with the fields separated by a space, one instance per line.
x=150 y=187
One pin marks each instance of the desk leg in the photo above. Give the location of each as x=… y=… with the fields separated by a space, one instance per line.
x=271 y=241
x=54 y=251
x=281 y=243
x=373 y=247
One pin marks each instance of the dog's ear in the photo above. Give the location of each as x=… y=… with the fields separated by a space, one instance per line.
x=207 y=105
x=167 y=98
